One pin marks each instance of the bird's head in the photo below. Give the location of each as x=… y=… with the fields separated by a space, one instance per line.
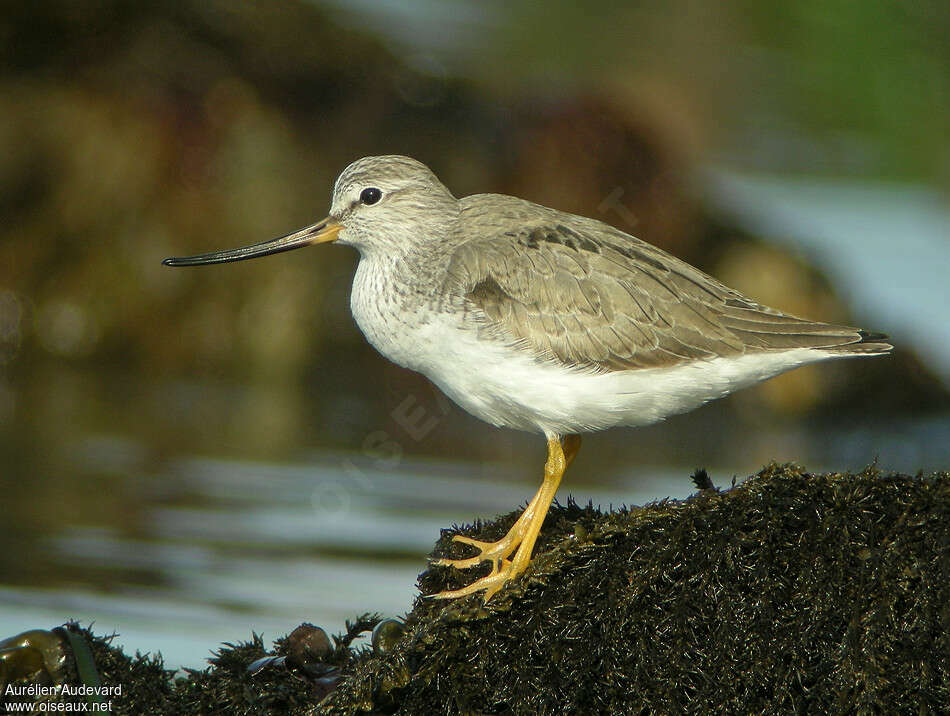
x=387 y=203
x=381 y=202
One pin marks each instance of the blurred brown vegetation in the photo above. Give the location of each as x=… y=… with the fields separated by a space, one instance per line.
x=131 y=132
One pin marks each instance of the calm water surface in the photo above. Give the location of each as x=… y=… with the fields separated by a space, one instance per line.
x=220 y=548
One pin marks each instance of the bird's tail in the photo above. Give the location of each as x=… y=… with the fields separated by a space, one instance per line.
x=865 y=343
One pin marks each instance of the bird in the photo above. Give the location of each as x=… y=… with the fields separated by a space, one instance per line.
x=543 y=321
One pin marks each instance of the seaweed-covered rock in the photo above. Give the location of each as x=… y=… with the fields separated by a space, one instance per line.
x=792 y=592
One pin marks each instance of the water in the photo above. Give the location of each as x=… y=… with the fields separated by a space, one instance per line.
x=218 y=548
x=179 y=553
x=221 y=548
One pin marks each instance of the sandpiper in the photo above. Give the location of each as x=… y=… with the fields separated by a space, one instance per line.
x=535 y=319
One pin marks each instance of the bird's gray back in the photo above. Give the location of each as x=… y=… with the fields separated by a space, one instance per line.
x=583 y=293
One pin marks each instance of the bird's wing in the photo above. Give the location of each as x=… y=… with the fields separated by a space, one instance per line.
x=584 y=294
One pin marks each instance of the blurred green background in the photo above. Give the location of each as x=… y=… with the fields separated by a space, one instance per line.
x=169 y=436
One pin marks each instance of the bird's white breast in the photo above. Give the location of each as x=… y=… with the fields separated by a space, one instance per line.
x=381 y=313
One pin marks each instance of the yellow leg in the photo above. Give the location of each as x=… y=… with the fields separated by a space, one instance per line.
x=522 y=534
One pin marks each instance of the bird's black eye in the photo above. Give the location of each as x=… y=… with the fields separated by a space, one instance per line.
x=370 y=195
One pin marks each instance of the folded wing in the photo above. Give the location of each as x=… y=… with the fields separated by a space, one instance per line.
x=583 y=294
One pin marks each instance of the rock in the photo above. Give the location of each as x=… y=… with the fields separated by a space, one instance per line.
x=789 y=593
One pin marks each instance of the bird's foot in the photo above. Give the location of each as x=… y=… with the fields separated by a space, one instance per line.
x=502 y=569
x=489 y=584
x=520 y=537
x=493 y=552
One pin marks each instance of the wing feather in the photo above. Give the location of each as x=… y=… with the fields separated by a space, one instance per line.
x=587 y=295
